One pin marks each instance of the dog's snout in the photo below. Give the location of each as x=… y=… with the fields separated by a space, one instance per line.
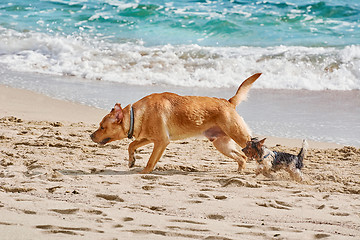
x=92 y=136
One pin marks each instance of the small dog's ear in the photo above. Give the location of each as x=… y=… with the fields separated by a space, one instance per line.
x=119 y=115
x=261 y=142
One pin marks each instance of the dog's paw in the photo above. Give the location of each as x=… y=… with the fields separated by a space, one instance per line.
x=145 y=171
x=241 y=168
x=131 y=162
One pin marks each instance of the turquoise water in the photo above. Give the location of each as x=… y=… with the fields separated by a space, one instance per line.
x=207 y=23
x=312 y=45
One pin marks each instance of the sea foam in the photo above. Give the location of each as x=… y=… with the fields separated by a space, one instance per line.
x=283 y=67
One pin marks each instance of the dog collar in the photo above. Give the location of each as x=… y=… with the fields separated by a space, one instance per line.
x=131 y=130
x=273 y=155
x=270 y=153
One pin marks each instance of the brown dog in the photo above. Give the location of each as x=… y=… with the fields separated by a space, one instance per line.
x=160 y=118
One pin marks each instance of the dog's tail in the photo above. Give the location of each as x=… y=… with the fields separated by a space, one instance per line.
x=243 y=90
x=303 y=151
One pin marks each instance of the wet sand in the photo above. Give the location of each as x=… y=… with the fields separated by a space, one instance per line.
x=325 y=116
x=56 y=183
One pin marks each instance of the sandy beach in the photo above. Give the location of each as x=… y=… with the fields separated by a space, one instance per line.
x=57 y=184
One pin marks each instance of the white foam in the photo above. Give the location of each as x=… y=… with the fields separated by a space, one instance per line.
x=283 y=67
x=121 y=5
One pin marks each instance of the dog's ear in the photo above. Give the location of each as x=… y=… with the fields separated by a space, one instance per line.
x=261 y=142
x=118 y=112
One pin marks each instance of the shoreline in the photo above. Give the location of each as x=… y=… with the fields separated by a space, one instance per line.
x=322 y=116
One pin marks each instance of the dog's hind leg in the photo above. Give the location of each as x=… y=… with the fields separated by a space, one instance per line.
x=298 y=175
x=159 y=148
x=226 y=146
x=235 y=127
x=295 y=174
x=133 y=146
x=234 y=130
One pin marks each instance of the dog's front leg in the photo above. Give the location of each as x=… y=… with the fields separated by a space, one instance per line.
x=159 y=148
x=133 y=146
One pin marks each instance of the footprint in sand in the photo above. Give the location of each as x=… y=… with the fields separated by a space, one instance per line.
x=164 y=233
x=244 y=226
x=16 y=189
x=29 y=212
x=128 y=219
x=155 y=208
x=187 y=229
x=321 y=207
x=321 y=235
x=275 y=204
x=340 y=214
x=187 y=221
x=66 y=230
x=110 y=197
x=171 y=184
x=7 y=224
x=94 y=211
x=215 y=216
x=53 y=189
x=220 y=197
x=153 y=179
x=65 y=211
x=147 y=187
x=202 y=195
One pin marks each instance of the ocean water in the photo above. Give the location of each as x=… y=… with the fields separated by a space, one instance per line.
x=184 y=45
x=307 y=44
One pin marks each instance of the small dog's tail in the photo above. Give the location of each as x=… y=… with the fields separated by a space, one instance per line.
x=243 y=90
x=303 y=151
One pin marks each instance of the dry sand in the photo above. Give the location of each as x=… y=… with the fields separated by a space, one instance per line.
x=57 y=184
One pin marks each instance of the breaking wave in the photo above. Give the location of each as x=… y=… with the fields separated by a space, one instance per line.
x=132 y=62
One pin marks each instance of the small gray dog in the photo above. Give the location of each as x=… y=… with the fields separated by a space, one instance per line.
x=271 y=161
